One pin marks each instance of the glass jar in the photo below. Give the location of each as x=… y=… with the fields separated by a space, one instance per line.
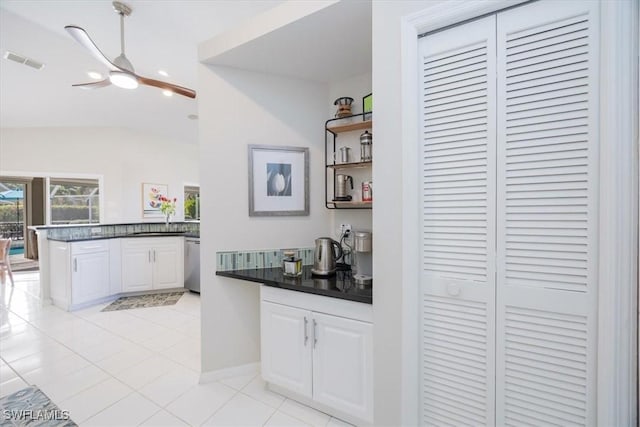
x=291 y=266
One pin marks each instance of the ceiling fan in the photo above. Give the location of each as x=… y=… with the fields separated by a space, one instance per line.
x=121 y=72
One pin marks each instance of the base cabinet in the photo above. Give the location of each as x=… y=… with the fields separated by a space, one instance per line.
x=80 y=273
x=93 y=271
x=343 y=365
x=90 y=277
x=316 y=355
x=286 y=348
x=154 y=263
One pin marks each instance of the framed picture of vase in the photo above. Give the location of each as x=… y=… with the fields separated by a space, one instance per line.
x=278 y=181
x=151 y=199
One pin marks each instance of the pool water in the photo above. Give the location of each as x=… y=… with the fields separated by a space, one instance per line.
x=16 y=250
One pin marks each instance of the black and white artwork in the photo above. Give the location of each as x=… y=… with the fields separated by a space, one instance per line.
x=279 y=179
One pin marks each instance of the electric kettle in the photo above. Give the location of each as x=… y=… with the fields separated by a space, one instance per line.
x=326 y=253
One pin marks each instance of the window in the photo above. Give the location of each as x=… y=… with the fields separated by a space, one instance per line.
x=191 y=203
x=74 y=201
x=11 y=209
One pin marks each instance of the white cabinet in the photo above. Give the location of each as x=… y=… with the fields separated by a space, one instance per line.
x=90 y=277
x=137 y=267
x=168 y=263
x=152 y=263
x=309 y=348
x=286 y=347
x=80 y=273
x=342 y=364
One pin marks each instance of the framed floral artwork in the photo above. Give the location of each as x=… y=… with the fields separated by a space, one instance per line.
x=151 y=202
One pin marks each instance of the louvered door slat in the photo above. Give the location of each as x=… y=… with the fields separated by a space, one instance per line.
x=547 y=152
x=458 y=217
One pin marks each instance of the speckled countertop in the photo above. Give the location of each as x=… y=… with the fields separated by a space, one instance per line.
x=341 y=285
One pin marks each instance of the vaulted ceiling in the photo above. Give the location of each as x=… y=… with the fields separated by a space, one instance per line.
x=159 y=35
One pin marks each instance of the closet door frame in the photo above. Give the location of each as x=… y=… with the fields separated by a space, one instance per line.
x=617 y=371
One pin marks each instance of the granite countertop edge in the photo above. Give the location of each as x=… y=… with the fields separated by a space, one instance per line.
x=250 y=276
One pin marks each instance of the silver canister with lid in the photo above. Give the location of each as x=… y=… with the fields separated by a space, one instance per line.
x=291 y=266
x=366 y=139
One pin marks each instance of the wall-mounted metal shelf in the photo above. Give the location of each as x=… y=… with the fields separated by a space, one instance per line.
x=333 y=127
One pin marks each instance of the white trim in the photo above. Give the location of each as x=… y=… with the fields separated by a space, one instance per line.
x=618 y=305
x=617 y=299
x=220 y=374
x=448 y=13
x=410 y=398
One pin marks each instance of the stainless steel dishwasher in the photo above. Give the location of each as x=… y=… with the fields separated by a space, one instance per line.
x=192 y=264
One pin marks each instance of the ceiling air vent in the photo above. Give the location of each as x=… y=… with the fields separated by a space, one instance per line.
x=23 y=60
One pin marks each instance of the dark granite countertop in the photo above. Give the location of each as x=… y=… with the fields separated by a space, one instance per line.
x=339 y=286
x=124 y=235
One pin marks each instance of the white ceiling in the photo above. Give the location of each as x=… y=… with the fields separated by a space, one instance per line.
x=330 y=44
x=158 y=35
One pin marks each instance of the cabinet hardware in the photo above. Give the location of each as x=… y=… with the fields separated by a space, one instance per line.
x=149 y=255
x=75 y=265
x=154 y=255
x=306 y=335
x=315 y=333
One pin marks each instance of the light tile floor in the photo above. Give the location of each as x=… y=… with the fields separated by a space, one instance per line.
x=130 y=367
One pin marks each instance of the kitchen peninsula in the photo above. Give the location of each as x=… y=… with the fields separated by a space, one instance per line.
x=89 y=264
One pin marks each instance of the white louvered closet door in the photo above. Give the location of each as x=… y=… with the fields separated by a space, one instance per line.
x=457 y=71
x=547 y=214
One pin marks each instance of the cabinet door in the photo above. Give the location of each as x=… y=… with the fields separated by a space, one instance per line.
x=89 y=277
x=286 y=347
x=168 y=268
x=342 y=364
x=137 y=268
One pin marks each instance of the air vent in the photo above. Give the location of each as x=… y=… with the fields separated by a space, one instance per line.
x=23 y=60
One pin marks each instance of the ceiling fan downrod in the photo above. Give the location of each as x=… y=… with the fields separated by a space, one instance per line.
x=119 y=78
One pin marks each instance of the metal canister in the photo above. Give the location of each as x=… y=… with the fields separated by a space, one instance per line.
x=367 y=191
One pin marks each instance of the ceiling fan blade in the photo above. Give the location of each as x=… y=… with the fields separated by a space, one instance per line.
x=93 y=85
x=83 y=38
x=190 y=93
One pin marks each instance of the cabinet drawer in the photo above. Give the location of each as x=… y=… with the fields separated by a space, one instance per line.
x=89 y=247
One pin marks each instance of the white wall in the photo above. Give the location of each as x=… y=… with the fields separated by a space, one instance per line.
x=124 y=158
x=238 y=108
x=356 y=87
x=391 y=293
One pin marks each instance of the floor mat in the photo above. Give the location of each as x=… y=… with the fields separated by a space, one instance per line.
x=144 y=301
x=31 y=407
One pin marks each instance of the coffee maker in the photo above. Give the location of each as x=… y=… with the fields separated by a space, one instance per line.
x=362 y=252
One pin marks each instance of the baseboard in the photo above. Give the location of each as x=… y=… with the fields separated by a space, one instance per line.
x=220 y=374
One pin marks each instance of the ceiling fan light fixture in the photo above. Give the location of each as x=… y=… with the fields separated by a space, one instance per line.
x=163 y=73
x=95 y=75
x=167 y=92
x=123 y=79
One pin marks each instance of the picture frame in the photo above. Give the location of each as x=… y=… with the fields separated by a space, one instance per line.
x=367 y=106
x=150 y=195
x=278 y=180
